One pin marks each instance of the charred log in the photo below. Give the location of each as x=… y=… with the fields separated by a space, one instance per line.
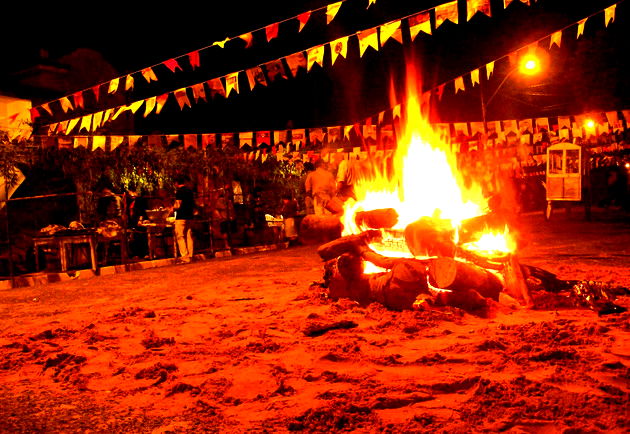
x=430 y=237
x=377 y=218
x=347 y=244
x=515 y=284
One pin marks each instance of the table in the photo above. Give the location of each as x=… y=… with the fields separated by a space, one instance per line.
x=61 y=242
x=157 y=232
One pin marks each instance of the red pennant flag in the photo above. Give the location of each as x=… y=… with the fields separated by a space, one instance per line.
x=440 y=90
x=96 y=89
x=172 y=65
x=303 y=19
x=272 y=31
x=161 y=100
x=193 y=58
x=34 y=114
x=78 y=99
x=182 y=98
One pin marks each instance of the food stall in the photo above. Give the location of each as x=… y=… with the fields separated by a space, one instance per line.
x=564 y=175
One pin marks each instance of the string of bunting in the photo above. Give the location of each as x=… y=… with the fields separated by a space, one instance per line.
x=419 y=21
x=505 y=138
x=275 y=69
x=114 y=85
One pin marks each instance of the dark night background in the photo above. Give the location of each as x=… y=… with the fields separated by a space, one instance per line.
x=589 y=74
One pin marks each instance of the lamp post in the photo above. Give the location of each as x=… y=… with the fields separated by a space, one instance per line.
x=528 y=65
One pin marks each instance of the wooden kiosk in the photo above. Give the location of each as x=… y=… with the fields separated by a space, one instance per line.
x=564 y=174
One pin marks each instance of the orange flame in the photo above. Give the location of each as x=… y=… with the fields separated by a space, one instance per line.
x=420 y=179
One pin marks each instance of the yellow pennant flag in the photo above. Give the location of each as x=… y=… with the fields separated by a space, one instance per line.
x=97 y=120
x=315 y=55
x=86 y=122
x=459 y=84
x=129 y=82
x=135 y=106
x=391 y=30
x=346 y=131
x=447 y=11
x=115 y=141
x=148 y=74
x=489 y=69
x=98 y=142
x=396 y=111
x=338 y=47
x=474 y=6
x=331 y=11
x=113 y=85
x=231 y=82
x=580 y=28
x=367 y=38
x=609 y=14
x=47 y=108
x=66 y=104
x=555 y=39
x=132 y=140
x=419 y=23
x=107 y=115
x=474 y=77
x=71 y=124
x=119 y=112
x=221 y=43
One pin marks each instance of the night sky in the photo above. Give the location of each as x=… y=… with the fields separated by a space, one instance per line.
x=131 y=38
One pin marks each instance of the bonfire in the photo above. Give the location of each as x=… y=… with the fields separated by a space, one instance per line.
x=419 y=234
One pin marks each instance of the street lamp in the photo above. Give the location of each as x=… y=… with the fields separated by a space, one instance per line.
x=529 y=65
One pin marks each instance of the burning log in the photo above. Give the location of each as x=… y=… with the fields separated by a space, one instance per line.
x=315 y=229
x=454 y=275
x=430 y=237
x=377 y=218
x=493 y=222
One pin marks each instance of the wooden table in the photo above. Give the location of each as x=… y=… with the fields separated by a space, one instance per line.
x=61 y=243
x=157 y=232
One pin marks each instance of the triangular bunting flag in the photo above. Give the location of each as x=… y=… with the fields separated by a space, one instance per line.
x=63 y=127
x=248 y=38
x=275 y=70
x=97 y=120
x=78 y=99
x=190 y=141
x=303 y=19
x=272 y=31
x=86 y=123
x=419 y=22
x=396 y=111
x=115 y=141
x=221 y=43
x=52 y=128
x=346 y=131
x=381 y=117
x=338 y=47
x=193 y=58
x=132 y=140
x=489 y=69
x=98 y=142
x=129 y=82
x=149 y=106
x=391 y=30
x=34 y=113
x=474 y=77
x=262 y=138
x=472 y=6
x=71 y=124
x=80 y=142
x=315 y=55
x=172 y=65
x=182 y=98
x=295 y=62
x=256 y=76
x=134 y=106
x=609 y=14
x=66 y=104
x=208 y=140
x=46 y=107
x=580 y=28
x=216 y=87
x=97 y=91
x=331 y=11
x=367 y=38
x=107 y=115
x=199 y=91
x=231 y=83
x=440 y=91
x=119 y=111
x=447 y=11
x=161 y=100
x=459 y=84
x=113 y=85
x=148 y=74
x=555 y=39
x=246 y=138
